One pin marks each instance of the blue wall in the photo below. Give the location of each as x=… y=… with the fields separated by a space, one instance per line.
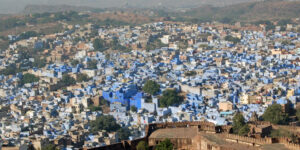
x=128 y=96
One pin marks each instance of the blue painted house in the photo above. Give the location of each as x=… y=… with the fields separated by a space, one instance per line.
x=127 y=95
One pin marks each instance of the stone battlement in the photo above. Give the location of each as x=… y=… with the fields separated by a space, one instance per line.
x=292 y=146
x=253 y=141
x=203 y=126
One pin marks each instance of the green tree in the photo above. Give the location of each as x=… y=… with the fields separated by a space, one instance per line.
x=82 y=77
x=64 y=82
x=244 y=130
x=28 y=34
x=298 y=113
x=29 y=78
x=154 y=43
x=107 y=56
x=142 y=145
x=286 y=42
x=226 y=20
x=170 y=97
x=133 y=108
x=95 y=108
x=269 y=24
x=238 y=122
x=74 y=62
x=190 y=73
x=183 y=45
x=4 y=38
x=10 y=23
x=76 y=40
x=232 y=39
x=280 y=132
x=68 y=80
x=39 y=63
x=115 y=45
x=65 y=57
x=151 y=87
x=284 y=22
x=270 y=27
x=92 y=64
x=282 y=28
x=239 y=125
x=123 y=134
x=104 y=122
x=148 y=99
x=275 y=114
x=104 y=102
x=10 y=70
x=99 y=45
x=49 y=147
x=164 y=145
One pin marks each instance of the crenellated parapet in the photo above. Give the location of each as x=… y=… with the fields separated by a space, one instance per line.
x=250 y=140
x=202 y=128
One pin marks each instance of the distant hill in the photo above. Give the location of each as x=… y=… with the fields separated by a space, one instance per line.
x=246 y=12
x=54 y=8
x=17 y=6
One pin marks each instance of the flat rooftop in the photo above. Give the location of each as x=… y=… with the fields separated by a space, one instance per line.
x=174 y=133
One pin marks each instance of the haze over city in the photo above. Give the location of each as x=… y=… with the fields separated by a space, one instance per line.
x=17 y=6
x=149 y=74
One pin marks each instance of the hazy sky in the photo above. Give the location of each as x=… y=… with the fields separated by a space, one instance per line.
x=15 y=6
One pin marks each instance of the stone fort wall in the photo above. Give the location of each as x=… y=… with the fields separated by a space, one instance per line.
x=204 y=126
x=250 y=140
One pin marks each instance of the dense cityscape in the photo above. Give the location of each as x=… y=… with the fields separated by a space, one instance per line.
x=92 y=86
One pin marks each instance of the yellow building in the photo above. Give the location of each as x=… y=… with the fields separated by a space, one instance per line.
x=225 y=106
x=244 y=98
x=290 y=93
